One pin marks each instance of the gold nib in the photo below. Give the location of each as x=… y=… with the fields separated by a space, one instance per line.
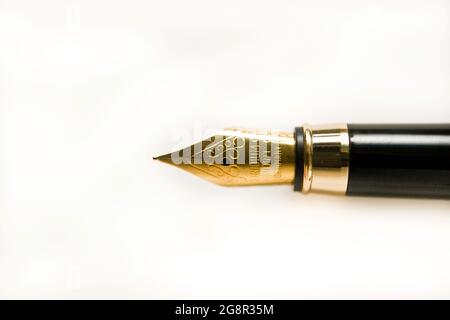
x=236 y=157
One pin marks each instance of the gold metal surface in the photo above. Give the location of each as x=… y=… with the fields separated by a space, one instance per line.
x=326 y=165
x=307 y=158
x=236 y=157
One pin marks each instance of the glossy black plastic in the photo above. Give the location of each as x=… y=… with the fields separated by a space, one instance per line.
x=406 y=160
x=298 y=180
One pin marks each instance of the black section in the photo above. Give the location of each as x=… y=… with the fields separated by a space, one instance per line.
x=406 y=160
x=225 y=309
x=298 y=181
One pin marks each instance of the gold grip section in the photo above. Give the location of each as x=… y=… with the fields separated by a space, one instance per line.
x=326 y=158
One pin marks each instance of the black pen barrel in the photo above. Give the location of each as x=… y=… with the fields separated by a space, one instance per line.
x=407 y=160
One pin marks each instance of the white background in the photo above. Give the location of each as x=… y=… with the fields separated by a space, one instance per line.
x=91 y=90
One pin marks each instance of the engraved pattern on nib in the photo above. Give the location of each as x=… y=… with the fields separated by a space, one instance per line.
x=219 y=169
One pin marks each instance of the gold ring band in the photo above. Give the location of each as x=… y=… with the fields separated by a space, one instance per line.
x=307 y=158
x=326 y=158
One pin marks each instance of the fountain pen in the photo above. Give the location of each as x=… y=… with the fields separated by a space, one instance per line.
x=399 y=160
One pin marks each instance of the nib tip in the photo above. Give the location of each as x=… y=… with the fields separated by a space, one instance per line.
x=164 y=157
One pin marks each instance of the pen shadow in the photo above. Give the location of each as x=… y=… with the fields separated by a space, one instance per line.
x=368 y=205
